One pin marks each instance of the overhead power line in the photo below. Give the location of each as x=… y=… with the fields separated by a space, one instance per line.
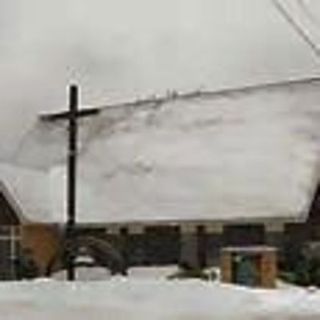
x=299 y=30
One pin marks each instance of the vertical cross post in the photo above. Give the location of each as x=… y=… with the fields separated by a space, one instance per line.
x=71 y=115
x=71 y=178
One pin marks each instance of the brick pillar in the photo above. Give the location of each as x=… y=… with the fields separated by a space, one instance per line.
x=268 y=269
x=189 y=246
x=43 y=242
x=226 y=266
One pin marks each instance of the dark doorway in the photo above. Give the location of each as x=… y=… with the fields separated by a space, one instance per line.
x=245 y=270
x=244 y=235
x=162 y=245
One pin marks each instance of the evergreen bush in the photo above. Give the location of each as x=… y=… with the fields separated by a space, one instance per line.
x=302 y=269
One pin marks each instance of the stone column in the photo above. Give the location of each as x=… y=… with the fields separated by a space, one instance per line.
x=226 y=266
x=136 y=245
x=189 y=245
x=214 y=243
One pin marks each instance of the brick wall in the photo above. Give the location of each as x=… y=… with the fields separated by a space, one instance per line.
x=266 y=265
x=42 y=241
x=268 y=269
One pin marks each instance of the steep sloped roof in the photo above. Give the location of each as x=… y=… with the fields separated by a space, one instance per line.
x=248 y=153
x=27 y=191
x=10 y=211
x=179 y=45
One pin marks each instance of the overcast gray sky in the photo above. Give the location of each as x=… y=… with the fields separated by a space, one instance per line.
x=118 y=49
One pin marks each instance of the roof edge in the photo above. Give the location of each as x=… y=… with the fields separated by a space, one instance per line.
x=245 y=89
x=12 y=201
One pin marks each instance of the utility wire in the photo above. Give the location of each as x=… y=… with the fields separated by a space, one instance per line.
x=299 y=30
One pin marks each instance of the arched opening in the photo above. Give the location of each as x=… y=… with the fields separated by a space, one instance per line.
x=89 y=252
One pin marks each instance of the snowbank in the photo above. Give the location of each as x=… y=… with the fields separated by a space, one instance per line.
x=121 y=298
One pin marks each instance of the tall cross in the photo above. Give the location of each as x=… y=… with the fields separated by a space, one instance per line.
x=72 y=116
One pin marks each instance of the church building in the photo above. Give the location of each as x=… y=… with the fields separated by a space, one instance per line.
x=173 y=179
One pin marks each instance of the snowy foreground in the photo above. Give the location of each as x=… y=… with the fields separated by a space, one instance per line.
x=146 y=298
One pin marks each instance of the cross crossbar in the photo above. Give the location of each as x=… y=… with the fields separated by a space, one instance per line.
x=65 y=115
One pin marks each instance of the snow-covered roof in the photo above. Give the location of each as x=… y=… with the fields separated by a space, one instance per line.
x=249 y=153
x=5 y=192
x=27 y=190
x=159 y=45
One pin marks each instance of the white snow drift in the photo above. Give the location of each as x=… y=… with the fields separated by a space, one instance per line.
x=146 y=299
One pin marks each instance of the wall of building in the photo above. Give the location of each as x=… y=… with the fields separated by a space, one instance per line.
x=194 y=243
x=9 y=251
x=261 y=271
x=199 y=244
x=42 y=242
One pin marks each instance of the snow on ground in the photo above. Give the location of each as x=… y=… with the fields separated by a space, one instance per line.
x=145 y=294
x=152 y=272
x=129 y=298
x=99 y=273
